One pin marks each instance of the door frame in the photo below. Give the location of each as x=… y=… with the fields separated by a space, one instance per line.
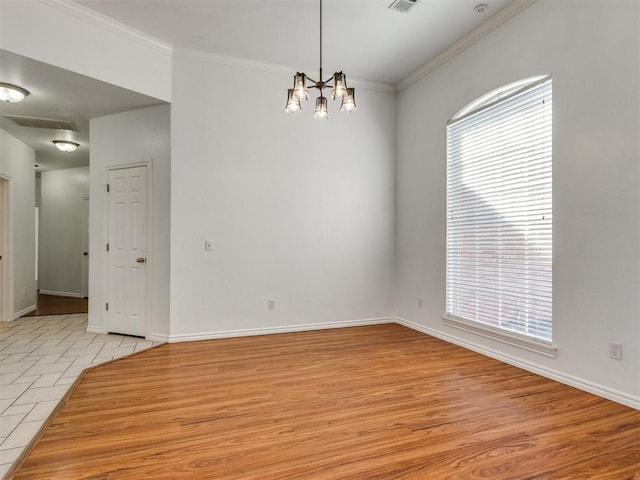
x=84 y=272
x=6 y=267
x=105 y=239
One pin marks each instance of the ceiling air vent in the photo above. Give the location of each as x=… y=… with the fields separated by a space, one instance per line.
x=48 y=123
x=403 y=5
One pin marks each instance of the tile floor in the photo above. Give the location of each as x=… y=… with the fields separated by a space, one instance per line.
x=40 y=357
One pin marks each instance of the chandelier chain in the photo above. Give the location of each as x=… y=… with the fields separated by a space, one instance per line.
x=320 y=79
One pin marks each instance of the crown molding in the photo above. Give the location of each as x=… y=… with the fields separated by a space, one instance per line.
x=265 y=67
x=102 y=21
x=229 y=60
x=507 y=13
x=376 y=86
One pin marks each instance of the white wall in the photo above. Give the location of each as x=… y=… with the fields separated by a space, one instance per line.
x=69 y=36
x=299 y=211
x=60 y=259
x=17 y=164
x=592 y=51
x=131 y=137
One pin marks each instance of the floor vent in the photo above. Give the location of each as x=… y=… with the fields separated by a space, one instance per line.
x=403 y=6
x=49 y=123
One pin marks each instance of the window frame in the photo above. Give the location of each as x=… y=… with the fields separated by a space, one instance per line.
x=532 y=343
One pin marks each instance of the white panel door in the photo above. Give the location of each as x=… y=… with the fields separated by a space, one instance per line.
x=127 y=299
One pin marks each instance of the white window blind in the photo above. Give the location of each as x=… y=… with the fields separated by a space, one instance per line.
x=499 y=236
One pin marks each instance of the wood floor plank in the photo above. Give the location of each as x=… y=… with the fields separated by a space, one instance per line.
x=378 y=402
x=58 y=305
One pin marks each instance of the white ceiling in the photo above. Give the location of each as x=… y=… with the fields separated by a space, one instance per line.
x=363 y=38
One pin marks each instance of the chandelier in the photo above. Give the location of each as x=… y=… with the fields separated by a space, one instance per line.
x=339 y=89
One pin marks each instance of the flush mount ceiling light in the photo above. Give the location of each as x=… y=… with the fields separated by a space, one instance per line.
x=12 y=93
x=339 y=89
x=65 y=145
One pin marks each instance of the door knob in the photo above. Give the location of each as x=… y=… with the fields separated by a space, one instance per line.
x=85 y=253
x=141 y=260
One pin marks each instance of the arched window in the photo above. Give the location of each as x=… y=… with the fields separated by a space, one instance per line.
x=499 y=215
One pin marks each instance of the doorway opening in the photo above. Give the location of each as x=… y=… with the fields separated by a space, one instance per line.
x=62 y=253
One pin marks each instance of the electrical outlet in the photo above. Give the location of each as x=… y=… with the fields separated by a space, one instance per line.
x=271 y=304
x=615 y=350
x=420 y=303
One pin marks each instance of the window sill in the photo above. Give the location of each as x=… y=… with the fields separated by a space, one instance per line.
x=514 y=339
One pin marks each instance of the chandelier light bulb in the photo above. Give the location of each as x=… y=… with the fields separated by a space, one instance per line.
x=300 y=86
x=348 y=101
x=293 y=102
x=12 y=93
x=321 y=111
x=339 y=85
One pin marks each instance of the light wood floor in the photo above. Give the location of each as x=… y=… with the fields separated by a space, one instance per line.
x=57 y=305
x=379 y=402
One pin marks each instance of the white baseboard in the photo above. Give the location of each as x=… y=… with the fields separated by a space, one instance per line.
x=61 y=294
x=158 y=337
x=272 y=330
x=579 y=383
x=96 y=329
x=24 y=311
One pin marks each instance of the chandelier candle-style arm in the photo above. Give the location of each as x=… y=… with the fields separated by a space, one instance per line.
x=339 y=89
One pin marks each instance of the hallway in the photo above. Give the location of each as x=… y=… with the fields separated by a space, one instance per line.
x=58 y=305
